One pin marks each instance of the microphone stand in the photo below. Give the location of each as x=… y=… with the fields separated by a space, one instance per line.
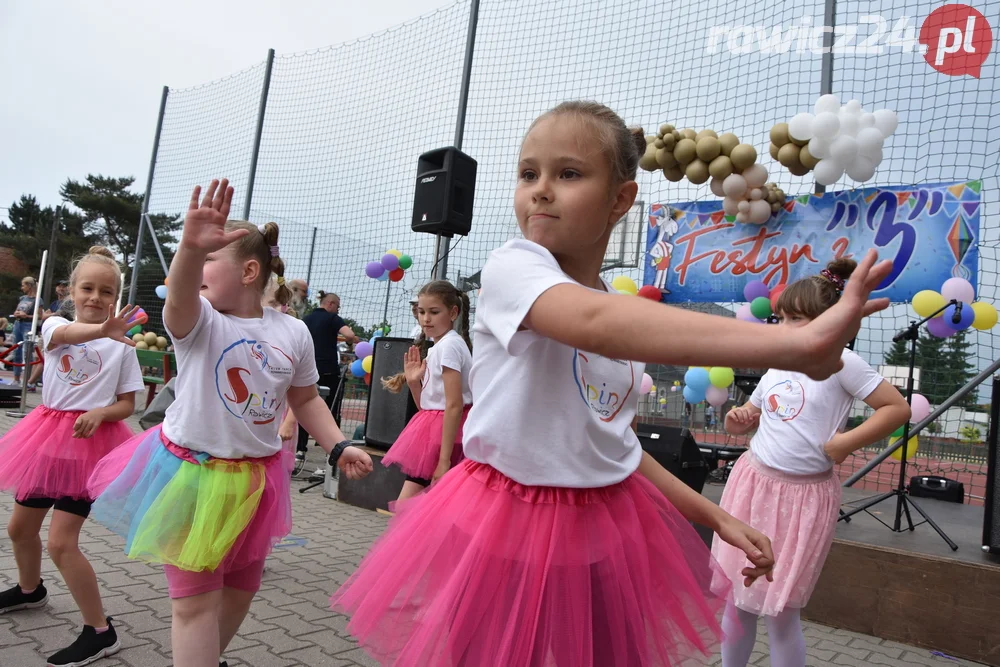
x=903 y=500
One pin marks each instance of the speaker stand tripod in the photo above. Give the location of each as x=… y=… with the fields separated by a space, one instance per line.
x=903 y=500
x=335 y=410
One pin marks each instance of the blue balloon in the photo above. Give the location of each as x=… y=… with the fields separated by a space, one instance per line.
x=383 y=277
x=161 y=291
x=376 y=334
x=692 y=395
x=697 y=379
x=357 y=370
x=965 y=318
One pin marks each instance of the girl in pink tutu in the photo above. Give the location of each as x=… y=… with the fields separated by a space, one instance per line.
x=206 y=493
x=432 y=442
x=90 y=381
x=785 y=485
x=558 y=541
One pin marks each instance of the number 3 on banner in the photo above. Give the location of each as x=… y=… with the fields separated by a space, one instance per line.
x=883 y=208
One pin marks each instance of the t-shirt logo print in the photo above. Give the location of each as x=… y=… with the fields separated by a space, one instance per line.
x=78 y=364
x=604 y=384
x=243 y=380
x=785 y=400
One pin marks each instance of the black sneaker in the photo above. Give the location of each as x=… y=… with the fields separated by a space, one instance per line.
x=87 y=648
x=13 y=599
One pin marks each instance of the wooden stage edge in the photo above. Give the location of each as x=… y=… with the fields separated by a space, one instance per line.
x=908 y=587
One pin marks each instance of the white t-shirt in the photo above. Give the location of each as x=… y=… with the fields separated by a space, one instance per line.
x=450 y=351
x=232 y=377
x=799 y=415
x=544 y=413
x=87 y=376
x=415 y=331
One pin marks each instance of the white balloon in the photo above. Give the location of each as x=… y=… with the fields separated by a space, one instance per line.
x=862 y=169
x=756 y=194
x=734 y=186
x=827 y=104
x=874 y=154
x=760 y=211
x=801 y=126
x=827 y=172
x=819 y=148
x=755 y=175
x=849 y=124
x=743 y=206
x=867 y=120
x=844 y=149
x=826 y=125
x=741 y=217
x=869 y=139
x=730 y=206
x=853 y=107
x=716 y=187
x=886 y=121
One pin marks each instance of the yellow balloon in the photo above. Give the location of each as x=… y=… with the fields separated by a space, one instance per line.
x=366 y=364
x=652 y=390
x=986 y=315
x=663 y=401
x=625 y=285
x=395 y=252
x=927 y=302
x=910 y=447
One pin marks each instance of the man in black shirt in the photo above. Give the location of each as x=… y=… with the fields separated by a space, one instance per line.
x=325 y=325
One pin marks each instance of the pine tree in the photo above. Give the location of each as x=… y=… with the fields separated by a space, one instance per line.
x=935 y=375
x=957 y=353
x=898 y=354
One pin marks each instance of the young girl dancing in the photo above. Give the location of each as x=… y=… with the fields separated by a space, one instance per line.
x=207 y=492
x=432 y=442
x=89 y=387
x=558 y=541
x=785 y=485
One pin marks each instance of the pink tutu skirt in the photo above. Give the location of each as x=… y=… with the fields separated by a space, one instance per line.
x=485 y=571
x=799 y=514
x=417 y=450
x=187 y=509
x=40 y=458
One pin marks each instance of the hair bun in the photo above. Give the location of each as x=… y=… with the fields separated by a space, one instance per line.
x=102 y=251
x=842 y=267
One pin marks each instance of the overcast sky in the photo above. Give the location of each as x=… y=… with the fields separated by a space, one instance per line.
x=82 y=81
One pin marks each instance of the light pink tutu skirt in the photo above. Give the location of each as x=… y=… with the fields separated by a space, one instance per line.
x=799 y=514
x=417 y=450
x=187 y=509
x=40 y=458
x=485 y=571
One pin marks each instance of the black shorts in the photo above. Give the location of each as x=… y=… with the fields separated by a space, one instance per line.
x=80 y=508
x=419 y=480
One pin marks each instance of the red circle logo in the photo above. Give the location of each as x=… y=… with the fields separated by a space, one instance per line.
x=957 y=40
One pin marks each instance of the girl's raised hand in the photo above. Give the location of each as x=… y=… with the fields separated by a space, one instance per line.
x=115 y=327
x=204 y=224
x=827 y=335
x=414 y=366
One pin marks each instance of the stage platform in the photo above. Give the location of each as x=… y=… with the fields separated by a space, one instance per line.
x=911 y=587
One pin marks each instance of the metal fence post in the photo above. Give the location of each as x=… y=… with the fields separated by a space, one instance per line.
x=257 y=134
x=145 y=199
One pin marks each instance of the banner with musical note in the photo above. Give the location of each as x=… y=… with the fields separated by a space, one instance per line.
x=930 y=232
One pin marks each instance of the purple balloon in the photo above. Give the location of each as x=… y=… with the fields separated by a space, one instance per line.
x=965 y=317
x=755 y=289
x=744 y=313
x=390 y=262
x=374 y=270
x=363 y=349
x=937 y=327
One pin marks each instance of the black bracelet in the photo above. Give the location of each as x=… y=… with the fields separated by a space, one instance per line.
x=337 y=450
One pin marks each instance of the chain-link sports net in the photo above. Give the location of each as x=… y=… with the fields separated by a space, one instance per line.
x=344 y=127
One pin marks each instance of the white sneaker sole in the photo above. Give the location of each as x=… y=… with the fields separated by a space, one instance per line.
x=27 y=605
x=109 y=651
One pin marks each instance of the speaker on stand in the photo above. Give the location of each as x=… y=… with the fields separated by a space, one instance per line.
x=446 y=186
x=991 y=513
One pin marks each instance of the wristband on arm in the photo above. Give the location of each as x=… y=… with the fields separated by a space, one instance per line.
x=337 y=450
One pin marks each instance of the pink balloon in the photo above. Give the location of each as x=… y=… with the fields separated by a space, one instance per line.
x=959 y=289
x=716 y=396
x=920 y=407
x=743 y=313
x=647 y=384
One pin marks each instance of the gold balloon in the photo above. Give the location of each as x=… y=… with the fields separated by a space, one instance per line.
x=708 y=148
x=798 y=170
x=685 y=151
x=720 y=167
x=807 y=159
x=666 y=129
x=775 y=207
x=650 y=138
x=697 y=172
x=788 y=156
x=669 y=142
x=773 y=150
x=658 y=143
x=779 y=135
x=676 y=135
x=673 y=174
x=706 y=133
x=665 y=158
x=689 y=134
x=729 y=141
x=743 y=157
x=648 y=160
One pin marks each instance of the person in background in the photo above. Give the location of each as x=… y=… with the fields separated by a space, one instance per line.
x=417 y=329
x=62 y=290
x=325 y=325
x=300 y=292
x=22 y=320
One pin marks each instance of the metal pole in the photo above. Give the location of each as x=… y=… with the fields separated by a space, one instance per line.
x=937 y=412
x=385 y=313
x=312 y=248
x=56 y=225
x=442 y=244
x=145 y=198
x=156 y=245
x=826 y=67
x=260 y=129
x=28 y=350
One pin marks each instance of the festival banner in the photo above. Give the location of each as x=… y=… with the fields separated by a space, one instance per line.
x=694 y=252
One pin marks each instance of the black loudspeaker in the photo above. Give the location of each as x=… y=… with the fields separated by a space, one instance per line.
x=446 y=185
x=676 y=450
x=387 y=413
x=991 y=514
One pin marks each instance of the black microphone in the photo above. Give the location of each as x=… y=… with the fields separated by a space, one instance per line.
x=956 y=317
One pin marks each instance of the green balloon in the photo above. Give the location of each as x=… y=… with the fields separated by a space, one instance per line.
x=405 y=262
x=761 y=308
x=898 y=433
x=134 y=330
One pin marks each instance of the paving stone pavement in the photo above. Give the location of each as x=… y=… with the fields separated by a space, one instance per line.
x=289 y=623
